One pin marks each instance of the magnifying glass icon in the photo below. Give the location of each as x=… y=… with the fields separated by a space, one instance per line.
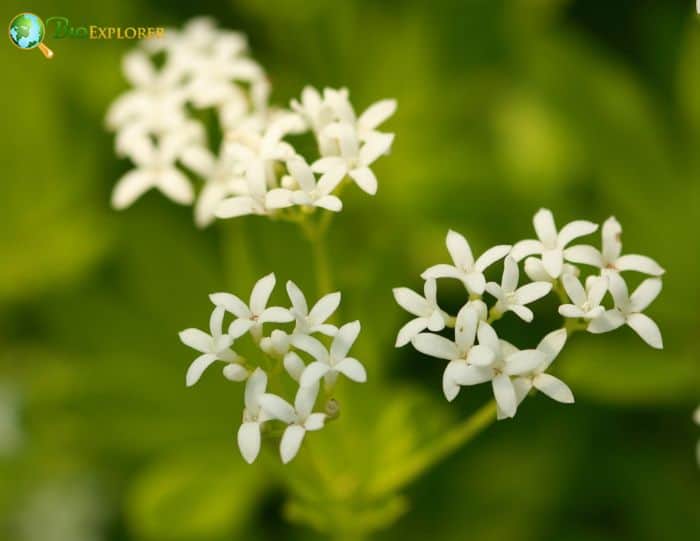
x=27 y=32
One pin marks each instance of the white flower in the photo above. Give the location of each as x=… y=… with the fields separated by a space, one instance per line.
x=537 y=273
x=470 y=272
x=355 y=159
x=256 y=313
x=299 y=418
x=628 y=310
x=309 y=322
x=609 y=259
x=253 y=416
x=214 y=347
x=550 y=346
x=462 y=353
x=511 y=297
x=551 y=244
x=508 y=363
x=428 y=313
x=586 y=302
x=311 y=194
x=328 y=364
x=156 y=168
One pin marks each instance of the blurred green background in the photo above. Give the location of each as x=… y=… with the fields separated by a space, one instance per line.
x=590 y=108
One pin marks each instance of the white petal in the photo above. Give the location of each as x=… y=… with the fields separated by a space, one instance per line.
x=509 y=281
x=450 y=388
x=596 y=286
x=197 y=368
x=275 y=314
x=279 y=198
x=315 y=421
x=409 y=330
x=525 y=248
x=199 y=159
x=543 y=222
x=239 y=327
x=305 y=399
x=535 y=270
x=325 y=307
x=619 y=291
x=612 y=245
x=436 y=321
x=480 y=355
x=554 y=388
x=574 y=230
x=465 y=328
x=475 y=282
x=311 y=346
x=376 y=113
x=196 y=339
x=329 y=202
x=553 y=260
x=130 y=187
x=302 y=173
x=277 y=408
x=343 y=341
x=532 y=292
x=233 y=207
x=488 y=337
x=175 y=185
x=551 y=345
x=647 y=329
x=296 y=296
x=254 y=389
x=574 y=290
x=639 y=263
x=365 y=179
x=522 y=312
x=352 y=369
x=138 y=68
x=460 y=250
x=291 y=442
x=249 y=441
x=645 y=294
x=411 y=301
x=504 y=393
x=435 y=346
x=490 y=256
x=377 y=145
x=330 y=180
x=442 y=271
x=216 y=320
x=583 y=253
x=571 y=311
x=471 y=375
x=294 y=365
x=609 y=321
x=313 y=373
x=235 y=372
x=261 y=293
x=329 y=164
x=523 y=362
x=232 y=304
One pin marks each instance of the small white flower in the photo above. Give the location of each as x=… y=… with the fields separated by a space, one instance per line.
x=508 y=363
x=628 y=310
x=537 y=273
x=609 y=259
x=309 y=322
x=586 y=302
x=311 y=194
x=328 y=364
x=355 y=159
x=299 y=418
x=253 y=315
x=155 y=168
x=511 y=297
x=550 y=346
x=462 y=353
x=277 y=344
x=428 y=313
x=253 y=416
x=551 y=244
x=214 y=347
x=464 y=267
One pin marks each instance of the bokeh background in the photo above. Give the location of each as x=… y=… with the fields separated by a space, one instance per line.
x=590 y=108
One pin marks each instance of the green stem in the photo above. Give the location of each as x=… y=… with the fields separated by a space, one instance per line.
x=315 y=234
x=236 y=254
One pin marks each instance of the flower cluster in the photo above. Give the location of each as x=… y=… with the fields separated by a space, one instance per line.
x=476 y=353
x=249 y=167
x=309 y=335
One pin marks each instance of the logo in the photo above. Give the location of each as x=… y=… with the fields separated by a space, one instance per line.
x=27 y=31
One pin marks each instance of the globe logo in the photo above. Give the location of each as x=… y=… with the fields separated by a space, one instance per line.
x=27 y=32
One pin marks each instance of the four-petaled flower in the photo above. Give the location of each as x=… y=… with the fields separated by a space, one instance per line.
x=586 y=302
x=428 y=313
x=628 y=310
x=313 y=321
x=465 y=268
x=551 y=244
x=311 y=193
x=511 y=297
x=299 y=418
x=608 y=259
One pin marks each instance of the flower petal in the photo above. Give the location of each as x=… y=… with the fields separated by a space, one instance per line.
x=504 y=392
x=546 y=230
x=232 y=207
x=365 y=179
x=609 y=321
x=312 y=346
x=343 y=341
x=279 y=198
x=305 y=399
x=411 y=301
x=352 y=369
x=551 y=345
x=176 y=186
x=232 y=304
x=325 y=307
x=376 y=113
x=639 y=263
x=490 y=256
x=329 y=202
x=249 y=441
x=585 y=254
x=480 y=355
x=574 y=230
x=296 y=296
x=294 y=365
x=254 y=389
x=442 y=271
x=553 y=261
x=522 y=312
x=554 y=388
x=574 y=290
x=302 y=173
x=315 y=421
x=612 y=245
x=261 y=293
x=488 y=337
x=277 y=408
x=130 y=187
x=235 y=372
x=647 y=329
x=435 y=346
x=525 y=248
x=197 y=368
x=196 y=339
x=465 y=328
x=460 y=250
x=275 y=314
x=523 y=362
x=645 y=294
x=377 y=145
x=291 y=442
x=409 y=330
x=313 y=373
x=571 y=311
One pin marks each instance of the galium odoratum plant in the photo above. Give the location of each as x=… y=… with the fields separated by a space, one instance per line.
x=599 y=303
x=279 y=354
